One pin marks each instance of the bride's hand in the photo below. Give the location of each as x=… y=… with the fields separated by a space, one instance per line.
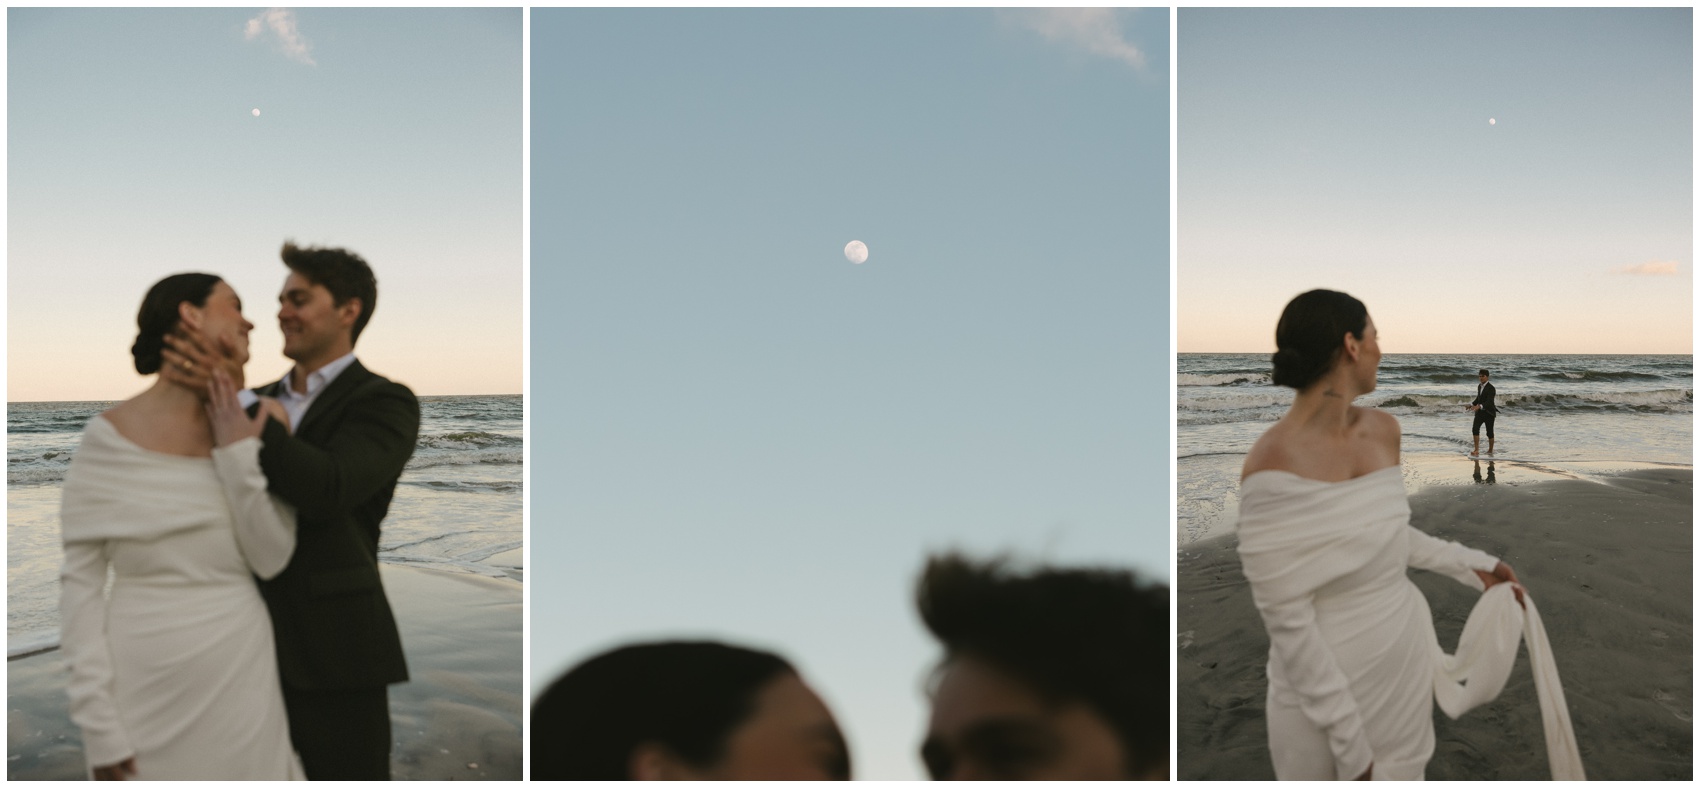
x=275 y=409
x=229 y=423
x=116 y=771
x=188 y=362
x=1502 y=574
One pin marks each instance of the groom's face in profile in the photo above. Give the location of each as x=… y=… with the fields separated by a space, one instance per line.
x=989 y=725
x=311 y=322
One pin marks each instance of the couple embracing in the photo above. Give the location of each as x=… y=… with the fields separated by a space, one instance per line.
x=245 y=633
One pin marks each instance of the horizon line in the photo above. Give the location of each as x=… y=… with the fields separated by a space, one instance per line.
x=1435 y=353
x=417 y=395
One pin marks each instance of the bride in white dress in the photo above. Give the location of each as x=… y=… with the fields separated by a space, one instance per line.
x=166 y=521
x=1325 y=539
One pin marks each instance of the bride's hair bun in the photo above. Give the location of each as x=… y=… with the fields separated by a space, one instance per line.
x=1309 y=336
x=1289 y=368
x=158 y=315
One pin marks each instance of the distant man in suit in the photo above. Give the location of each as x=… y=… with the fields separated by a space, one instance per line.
x=1485 y=413
x=352 y=433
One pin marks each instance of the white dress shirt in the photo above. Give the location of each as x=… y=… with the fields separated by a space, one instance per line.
x=296 y=403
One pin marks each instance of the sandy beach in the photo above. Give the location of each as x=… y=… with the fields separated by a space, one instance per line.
x=458 y=719
x=1609 y=558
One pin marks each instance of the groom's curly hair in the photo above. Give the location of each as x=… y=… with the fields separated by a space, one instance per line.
x=341 y=272
x=1095 y=636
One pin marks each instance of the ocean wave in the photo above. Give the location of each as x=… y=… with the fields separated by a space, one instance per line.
x=1237 y=399
x=1589 y=374
x=1439 y=377
x=1185 y=418
x=45 y=424
x=469 y=439
x=36 y=474
x=1224 y=379
x=1657 y=401
x=1668 y=400
x=484 y=456
x=1240 y=453
x=1426 y=401
x=500 y=487
x=31 y=643
x=1388 y=365
x=440 y=562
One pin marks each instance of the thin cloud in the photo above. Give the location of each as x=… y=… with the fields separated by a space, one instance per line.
x=280 y=22
x=1652 y=268
x=1097 y=31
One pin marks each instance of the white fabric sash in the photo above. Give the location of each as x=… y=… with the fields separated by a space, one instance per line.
x=1487 y=649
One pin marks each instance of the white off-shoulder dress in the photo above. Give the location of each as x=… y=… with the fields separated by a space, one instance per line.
x=1351 y=638
x=1355 y=668
x=174 y=662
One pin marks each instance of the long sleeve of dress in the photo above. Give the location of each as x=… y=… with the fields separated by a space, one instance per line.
x=82 y=612
x=1449 y=558
x=1315 y=676
x=265 y=525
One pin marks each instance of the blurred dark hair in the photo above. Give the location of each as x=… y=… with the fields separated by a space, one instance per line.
x=158 y=315
x=1482 y=372
x=1098 y=636
x=341 y=272
x=1311 y=332
x=686 y=696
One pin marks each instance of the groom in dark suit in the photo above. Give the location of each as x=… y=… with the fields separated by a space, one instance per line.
x=353 y=431
x=1485 y=413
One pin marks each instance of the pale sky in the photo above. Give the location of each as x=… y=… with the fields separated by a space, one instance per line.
x=1351 y=149
x=133 y=153
x=746 y=436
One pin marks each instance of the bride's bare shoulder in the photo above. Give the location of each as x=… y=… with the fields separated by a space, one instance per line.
x=1380 y=428
x=1377 y=423
x=1269 y=453
x=120 y=414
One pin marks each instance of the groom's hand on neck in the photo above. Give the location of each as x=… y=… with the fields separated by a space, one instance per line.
x=189 y=362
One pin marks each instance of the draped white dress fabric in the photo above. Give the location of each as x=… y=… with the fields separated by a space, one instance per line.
x=1352 y=650
x=175 y=663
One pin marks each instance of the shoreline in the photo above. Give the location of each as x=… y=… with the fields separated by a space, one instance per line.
x=1609 y=556
x=1420 y=472
x=458 y=718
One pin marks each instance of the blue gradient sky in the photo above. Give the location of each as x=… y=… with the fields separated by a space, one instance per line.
x=735 y=432
x=1350 y=149
x=133 y=154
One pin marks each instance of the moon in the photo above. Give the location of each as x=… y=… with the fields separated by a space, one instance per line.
x=1491 y=121
x=856 y=252
x=256 y=112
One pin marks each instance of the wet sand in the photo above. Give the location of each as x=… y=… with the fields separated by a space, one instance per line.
x=458 y=719
x=1609 y=557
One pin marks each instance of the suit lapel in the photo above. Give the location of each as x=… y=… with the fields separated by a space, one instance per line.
x=272 y=389
x=335 y=392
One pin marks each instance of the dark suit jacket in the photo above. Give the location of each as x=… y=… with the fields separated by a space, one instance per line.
x=1484 y=398
x=333 y=623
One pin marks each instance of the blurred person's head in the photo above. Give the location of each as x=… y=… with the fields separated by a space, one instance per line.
x=326 y=301
x=1321 y=333
x=201 y=304
x=687 y=711
x=1056 y=674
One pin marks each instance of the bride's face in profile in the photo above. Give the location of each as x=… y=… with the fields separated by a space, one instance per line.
x=220 y=321
x=1369 y=356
